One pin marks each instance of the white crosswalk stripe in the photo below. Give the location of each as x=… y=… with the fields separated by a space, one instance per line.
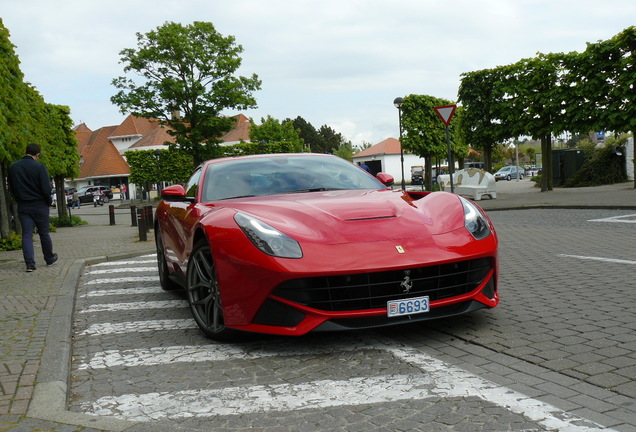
x=122 y=270
x=103 y=329
x=112 y=307
x=120 y=292
x=436 y=380
x=123 y=280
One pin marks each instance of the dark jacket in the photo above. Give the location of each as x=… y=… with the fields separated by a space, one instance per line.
x=29 y=181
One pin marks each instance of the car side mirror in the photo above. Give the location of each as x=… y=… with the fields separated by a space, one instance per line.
x=174 y=193
x=386 y=179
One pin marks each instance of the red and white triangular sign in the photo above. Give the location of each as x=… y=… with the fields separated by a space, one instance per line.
x=445 y=113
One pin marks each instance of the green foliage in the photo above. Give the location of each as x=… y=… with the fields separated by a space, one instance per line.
x=603 y=167
x=552 y=93
x=324 y=140
x=308 y=133
x=66 y=221
x=252 y=148
x=151 y=166
x=423 y=133
x=60 y=154
x=273 y=131
x=190 y=70
x=345 y=151
x=13 y=242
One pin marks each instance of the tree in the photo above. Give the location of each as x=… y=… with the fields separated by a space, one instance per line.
x=187 y=79
x=478 y=93
x=307 y=132
x=345 y=151
x=12 y=111
x=61 y=157
x=330 y=140
x=424 y=133
x=273 y=131
x=601 y=86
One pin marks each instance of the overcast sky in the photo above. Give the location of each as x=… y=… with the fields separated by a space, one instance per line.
x=334 y=62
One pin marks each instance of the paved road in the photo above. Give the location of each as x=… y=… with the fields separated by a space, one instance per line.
x=558 y=354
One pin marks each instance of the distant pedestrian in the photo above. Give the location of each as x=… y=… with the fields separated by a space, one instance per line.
x=76 y=200
x=30 y=185
x=123 y=192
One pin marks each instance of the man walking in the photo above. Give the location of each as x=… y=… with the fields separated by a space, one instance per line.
x=30 y=185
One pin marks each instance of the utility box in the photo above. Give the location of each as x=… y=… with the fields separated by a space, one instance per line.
x=565 y=163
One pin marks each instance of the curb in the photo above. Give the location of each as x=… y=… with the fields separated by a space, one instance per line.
x=50 y=395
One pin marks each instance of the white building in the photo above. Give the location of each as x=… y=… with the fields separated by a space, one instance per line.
x=385 y=157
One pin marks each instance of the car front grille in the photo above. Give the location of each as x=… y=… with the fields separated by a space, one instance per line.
x=372 y=290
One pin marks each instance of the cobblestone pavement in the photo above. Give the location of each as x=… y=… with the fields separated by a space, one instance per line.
x=28 y=302
x=35 y=320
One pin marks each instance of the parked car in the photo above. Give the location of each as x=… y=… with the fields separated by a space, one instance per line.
x=68 y=192
x=508 y=173
x=86 y=193
x=289 y=244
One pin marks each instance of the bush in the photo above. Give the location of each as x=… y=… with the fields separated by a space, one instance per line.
x=14 y=242
x=603 y=167
x=66 y=221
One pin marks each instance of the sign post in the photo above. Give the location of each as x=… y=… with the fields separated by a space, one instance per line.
x=445 y=113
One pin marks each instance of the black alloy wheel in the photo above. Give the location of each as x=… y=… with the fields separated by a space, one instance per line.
x=203 y=294
x=166 y=283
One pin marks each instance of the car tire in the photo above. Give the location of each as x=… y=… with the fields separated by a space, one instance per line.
x=509 y=177
x=167 y=284
x=203 y=293
x=106 y=199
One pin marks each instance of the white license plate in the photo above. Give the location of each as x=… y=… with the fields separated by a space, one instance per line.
x=410 y=306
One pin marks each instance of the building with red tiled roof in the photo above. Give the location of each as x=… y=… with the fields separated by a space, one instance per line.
x=102 y=160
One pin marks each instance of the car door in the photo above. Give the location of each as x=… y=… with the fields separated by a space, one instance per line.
x=178 y=221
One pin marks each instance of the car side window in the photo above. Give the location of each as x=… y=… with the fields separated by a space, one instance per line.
x=193 y=184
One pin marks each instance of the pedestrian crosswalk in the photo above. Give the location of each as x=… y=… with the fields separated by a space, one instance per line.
x=393 y=371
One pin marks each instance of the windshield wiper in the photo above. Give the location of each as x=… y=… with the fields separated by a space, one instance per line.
x=319 y=189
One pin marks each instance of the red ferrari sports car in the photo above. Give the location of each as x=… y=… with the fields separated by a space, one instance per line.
x=292 y=243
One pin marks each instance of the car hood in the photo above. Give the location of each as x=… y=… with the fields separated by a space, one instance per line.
x=334 y=217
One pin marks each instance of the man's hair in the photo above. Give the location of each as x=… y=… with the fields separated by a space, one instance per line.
x=33 y=149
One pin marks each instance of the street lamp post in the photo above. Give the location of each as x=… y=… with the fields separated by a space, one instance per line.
x=158 y=155
x=398 y=104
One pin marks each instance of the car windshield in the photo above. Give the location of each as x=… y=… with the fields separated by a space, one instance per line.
x=283 y=174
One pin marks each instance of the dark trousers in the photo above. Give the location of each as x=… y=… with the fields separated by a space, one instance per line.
x=35 y=215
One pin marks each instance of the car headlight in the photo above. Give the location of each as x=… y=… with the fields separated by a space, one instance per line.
x=474 y=220
x=268 y=239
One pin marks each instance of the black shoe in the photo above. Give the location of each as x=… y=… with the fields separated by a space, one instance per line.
x=30 y=268
x=50 y=263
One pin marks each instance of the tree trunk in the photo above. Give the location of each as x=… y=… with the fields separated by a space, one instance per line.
x=544 y=166
x=5 y=225
x=548 y=140
x=60 y=194
x=634 y=155
x=428 y=173
x=488 y=158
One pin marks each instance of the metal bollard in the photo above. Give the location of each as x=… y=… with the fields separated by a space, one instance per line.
x=133 y=215
x=149 y=220
x=111 y=214
x=143 y=235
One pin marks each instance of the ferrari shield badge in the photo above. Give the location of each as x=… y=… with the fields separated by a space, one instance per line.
x=400 y=249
